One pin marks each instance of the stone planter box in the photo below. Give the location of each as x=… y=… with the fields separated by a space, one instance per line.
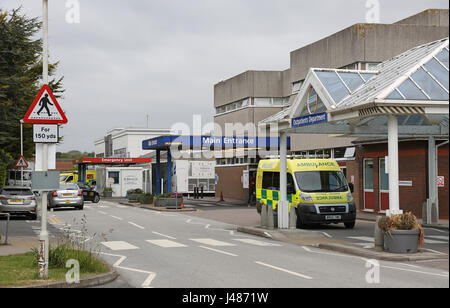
x=133 y=197
x=169 y=202
x=107 y=194
x=401 y=241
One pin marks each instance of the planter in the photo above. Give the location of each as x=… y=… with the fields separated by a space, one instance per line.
x=401 y=241
x=169 y=202
x=107 y=194
x=133 y=197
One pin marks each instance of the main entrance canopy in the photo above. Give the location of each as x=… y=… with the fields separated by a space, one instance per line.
x=406 y=96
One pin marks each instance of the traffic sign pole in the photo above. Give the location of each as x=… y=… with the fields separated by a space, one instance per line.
x=21 y=148
x=43 y=238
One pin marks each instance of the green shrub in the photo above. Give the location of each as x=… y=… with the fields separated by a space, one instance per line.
x=145 y=199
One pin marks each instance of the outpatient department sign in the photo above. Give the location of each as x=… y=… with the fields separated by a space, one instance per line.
x=311 y=119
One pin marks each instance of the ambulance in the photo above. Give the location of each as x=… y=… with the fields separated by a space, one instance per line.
x=316 y=189
x=72 y=177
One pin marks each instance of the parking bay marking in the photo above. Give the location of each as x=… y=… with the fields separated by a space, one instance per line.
x=166 y=243
x=136 y=225
x=211 y=242
x=255 y=242
x=219 y=251
x=119 y=245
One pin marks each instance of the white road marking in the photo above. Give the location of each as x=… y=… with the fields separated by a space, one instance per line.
x=363 y=238
x=211 y=242
x=268 y=234
x=118 y=218
x=326 y=234
x=172 y=238
x=207 y=226
x=435 y=251
x=283 y=270
x=219 y=251
x=136 y=225
x=119 y=245
x=438 y=230
x=427 y=241
x=438 y=237
x=414 y=271
x=146 y=283
x=255 y=242
x=101 y=212
x=166 y=243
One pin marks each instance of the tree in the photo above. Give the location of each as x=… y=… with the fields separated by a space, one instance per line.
x=20 y=81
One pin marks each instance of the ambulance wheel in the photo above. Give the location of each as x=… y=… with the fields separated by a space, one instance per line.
x=349 y=225
x=300 y=223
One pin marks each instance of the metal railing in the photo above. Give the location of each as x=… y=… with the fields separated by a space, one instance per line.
x=7 y=224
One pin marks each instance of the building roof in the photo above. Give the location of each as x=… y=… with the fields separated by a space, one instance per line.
x=413 y=85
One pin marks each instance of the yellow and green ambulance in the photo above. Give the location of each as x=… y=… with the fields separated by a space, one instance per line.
x=316 y=189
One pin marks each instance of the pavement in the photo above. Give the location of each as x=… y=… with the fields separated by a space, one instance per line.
x=358 y=241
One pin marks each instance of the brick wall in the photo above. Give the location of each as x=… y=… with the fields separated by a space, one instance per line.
x=230 y=183
x=413 y=166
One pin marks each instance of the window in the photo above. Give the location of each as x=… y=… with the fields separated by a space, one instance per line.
x=296 y=86
x=384 y=177
x=321 y=181
x=115 y=175
x=333 y=85
x=368 y=174
x=271 y=180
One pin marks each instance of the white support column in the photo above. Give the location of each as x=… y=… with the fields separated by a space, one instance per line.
x=283 y=204
x=432 y=177
x=394 y=194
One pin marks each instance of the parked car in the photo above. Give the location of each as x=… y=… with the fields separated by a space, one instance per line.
x=68 y=195
x=89 y=192
x=18 y=201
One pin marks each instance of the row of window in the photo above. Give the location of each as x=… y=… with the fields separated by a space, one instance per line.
x=257 y=102
x=235 y=161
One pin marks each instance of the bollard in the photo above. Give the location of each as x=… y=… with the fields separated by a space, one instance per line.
x=264 y=215
x=270 y=217
x=378 y=235
x=292 y=217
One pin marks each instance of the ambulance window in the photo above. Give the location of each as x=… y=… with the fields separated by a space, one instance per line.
x=267 y=180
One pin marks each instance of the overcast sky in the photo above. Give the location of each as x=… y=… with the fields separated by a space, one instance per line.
x=127 y=59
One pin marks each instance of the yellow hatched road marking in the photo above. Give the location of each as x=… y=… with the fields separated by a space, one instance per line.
x=55 y=220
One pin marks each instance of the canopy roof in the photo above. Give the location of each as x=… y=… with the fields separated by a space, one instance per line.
x=413 y=85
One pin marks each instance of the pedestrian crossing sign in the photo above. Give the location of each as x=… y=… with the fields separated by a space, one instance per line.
x=21 y=163
x=45 y=109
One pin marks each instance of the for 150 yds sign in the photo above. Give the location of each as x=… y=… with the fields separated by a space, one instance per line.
x=45 y=133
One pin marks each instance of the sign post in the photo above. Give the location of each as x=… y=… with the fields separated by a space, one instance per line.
x=46 y=112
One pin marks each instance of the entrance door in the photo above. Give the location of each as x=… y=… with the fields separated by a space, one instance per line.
x=369 y=204
x=384 y=186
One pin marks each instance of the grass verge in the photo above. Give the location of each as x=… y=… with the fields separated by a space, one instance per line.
x=22 y=270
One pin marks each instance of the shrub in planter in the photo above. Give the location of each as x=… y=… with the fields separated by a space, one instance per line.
x=145 y=199
x=402 y=233
x=107 y=192
x=133 y=194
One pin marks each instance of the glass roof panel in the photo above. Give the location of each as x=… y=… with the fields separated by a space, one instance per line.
x=352 y=80
x=438 y=71
x=395 y=95
x=410 y=91
x=429 y=85
x=367 y=76
x=414 y=120
x=443 y=57
x=333 y=85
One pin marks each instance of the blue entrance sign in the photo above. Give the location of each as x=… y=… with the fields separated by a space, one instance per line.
x=165 y=142
x=309 y=120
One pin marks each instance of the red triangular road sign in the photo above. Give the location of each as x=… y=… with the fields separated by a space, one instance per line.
x=45 y=109
x=21 y=163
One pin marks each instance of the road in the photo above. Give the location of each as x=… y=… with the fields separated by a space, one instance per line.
x=155 y=249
